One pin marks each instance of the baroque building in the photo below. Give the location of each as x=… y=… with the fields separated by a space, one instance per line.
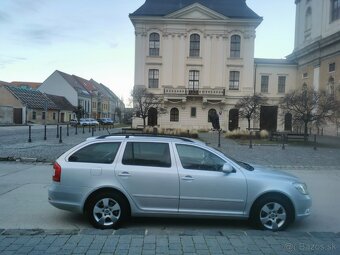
x=198 y=56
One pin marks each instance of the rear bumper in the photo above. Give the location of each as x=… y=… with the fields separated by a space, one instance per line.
x=66 y=198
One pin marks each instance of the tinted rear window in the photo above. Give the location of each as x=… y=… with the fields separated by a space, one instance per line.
x=147 y=154
x=103 y=153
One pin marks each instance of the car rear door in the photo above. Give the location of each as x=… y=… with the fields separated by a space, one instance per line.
x=204 y=187
x=148 y=173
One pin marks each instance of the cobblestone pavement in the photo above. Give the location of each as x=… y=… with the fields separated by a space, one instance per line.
x=140 y=241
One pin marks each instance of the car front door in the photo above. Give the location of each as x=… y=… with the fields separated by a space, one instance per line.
x=204 y=187
x=148 y=173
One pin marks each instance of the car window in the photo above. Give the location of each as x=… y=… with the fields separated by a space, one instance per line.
x=103 y=153
x=147 y=154
x=193 y=157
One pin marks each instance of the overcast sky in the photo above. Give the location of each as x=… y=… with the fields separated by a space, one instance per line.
x=95 y=38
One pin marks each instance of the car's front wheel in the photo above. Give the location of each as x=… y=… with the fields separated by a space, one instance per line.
x=272 y=213
x=107 y=210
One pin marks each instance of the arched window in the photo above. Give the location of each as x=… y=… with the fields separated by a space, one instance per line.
x=154 y=44
x=174 y=115
x=235 y=46
x=194 y=45
x=308 y=19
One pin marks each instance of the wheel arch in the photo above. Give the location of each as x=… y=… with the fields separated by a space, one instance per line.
x=108 y=190
x=274 y=194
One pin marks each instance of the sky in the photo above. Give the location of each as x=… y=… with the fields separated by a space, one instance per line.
x=95 y=38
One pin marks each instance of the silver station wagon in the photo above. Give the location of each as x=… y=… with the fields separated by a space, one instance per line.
x=110 y=178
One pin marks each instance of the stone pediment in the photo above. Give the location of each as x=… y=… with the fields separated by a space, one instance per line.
x=196 y=11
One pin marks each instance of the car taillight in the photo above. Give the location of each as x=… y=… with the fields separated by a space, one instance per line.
x=57 y=172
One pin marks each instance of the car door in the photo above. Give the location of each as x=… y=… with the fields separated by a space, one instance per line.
x=204 y=187
x=148 y=174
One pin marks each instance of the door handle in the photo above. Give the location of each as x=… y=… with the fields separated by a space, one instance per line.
x=124 y=174
x=188 y=178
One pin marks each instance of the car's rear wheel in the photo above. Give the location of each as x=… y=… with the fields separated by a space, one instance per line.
x=273 y=213
x=107 y=210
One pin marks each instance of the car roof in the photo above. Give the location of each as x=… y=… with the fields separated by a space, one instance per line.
x=146 y=137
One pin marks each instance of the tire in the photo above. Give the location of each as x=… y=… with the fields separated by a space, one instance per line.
x=107 y=210
x=273 y=213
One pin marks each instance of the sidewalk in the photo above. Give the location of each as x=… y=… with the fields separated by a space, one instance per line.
x=135 y=242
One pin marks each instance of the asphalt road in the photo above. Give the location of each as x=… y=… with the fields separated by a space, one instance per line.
x=24 y=205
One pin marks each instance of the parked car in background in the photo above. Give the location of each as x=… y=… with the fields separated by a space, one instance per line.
x=73 y=122
x=84 y=122
x=110 y=178
x=105 y=121
x=92 y=122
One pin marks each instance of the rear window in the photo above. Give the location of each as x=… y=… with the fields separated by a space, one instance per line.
x=147 y=154
x=103 y=153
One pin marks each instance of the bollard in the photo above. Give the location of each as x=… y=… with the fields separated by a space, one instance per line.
x=45 y=133
x=283 y=141
x=250 y=140
x=61 y=134
x=83 y=129
x=57 y=131
x=315 y=142
x=76 y=130
x=89 y=128
x=67 y=131
x=93 y=131
x=29 y=134
x=219 y=138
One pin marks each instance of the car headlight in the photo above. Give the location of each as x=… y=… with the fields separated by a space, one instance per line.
x=302 y=187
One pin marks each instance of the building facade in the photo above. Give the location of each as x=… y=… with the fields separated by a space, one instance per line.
x=198 y=57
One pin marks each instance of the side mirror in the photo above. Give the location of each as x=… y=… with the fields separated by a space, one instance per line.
x=227 y=168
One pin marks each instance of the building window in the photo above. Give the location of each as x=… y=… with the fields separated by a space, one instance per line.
x=193 y=112
x=304 y=87
x=331 y=67
x=174 y=115
x=235 y=46
x=308 y=19
x=264 y=83
x=234 y=80
x=194 y=79
x=34 y=115
x=43 y=116
x=194 y=45
x=55 y=116
x=331 y=89
x=154 y=44
x=305 y=75
x=282 y=84
x=335 y=10
x=153 y=78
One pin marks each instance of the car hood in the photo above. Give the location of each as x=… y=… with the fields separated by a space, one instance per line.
x=269 y=172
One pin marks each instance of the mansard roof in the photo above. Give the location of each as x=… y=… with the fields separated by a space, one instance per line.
x=228 y=8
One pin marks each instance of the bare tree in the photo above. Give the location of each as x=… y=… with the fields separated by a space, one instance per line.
x=249 y=107
x=143 y=101
x=310 y=106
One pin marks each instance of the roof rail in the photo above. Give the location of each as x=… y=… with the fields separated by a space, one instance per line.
x=146 y=135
